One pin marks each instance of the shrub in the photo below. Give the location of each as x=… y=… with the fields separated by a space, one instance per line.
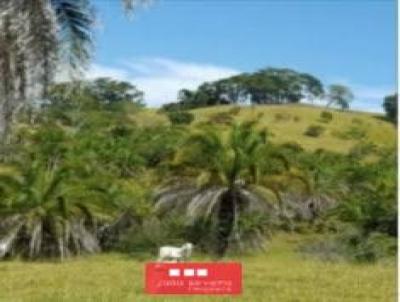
x=353 y=246
x=234 y=110
x=375 y=247
x=293 y=146
x=363 y=149
x=180 y=117
x=224 y=118
x=296 y=118
x=326 y=117
x=352 y=133
x=355 y=133
x=282 y=117
x=151 y=234
x=314 y=131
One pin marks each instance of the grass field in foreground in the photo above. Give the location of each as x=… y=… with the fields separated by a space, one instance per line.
x=279 y=275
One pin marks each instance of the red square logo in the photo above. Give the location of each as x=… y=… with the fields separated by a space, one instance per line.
x=194 y=278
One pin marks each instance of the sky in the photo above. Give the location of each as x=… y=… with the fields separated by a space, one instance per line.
x=175 y=44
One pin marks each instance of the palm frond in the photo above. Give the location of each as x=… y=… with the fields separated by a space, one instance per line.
x=131 y=5
x=75 y=21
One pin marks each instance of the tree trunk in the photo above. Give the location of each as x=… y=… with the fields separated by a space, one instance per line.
x=226 y=221
x=4 y=122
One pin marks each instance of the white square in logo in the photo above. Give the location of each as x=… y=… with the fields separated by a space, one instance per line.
x=188 y=272
x=174 y=272
x=202 y=272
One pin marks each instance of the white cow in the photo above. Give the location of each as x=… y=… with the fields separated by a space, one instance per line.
x=175 y=253
x=4 y=246
x=3 y=249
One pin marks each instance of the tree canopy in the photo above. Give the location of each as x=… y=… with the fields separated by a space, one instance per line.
x=266 y=86
x=339 y=95
x=390 y=107
x=101 y=92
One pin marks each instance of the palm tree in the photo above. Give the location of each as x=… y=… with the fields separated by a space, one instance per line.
x=45 y=213
x=221 y=181
x=36 y=36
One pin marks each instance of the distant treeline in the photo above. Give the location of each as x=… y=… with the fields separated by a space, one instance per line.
x=266 y=86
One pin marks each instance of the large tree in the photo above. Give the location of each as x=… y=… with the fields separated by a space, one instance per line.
x=339 y=95
x=36 y=37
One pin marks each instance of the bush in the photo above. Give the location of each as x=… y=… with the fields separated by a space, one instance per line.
x=352 y=133
x=314 y=131
x=363 y=149
x=375 y=247
x=326 y=116
x=223 y=118
x=293 y=146
x=152 y=234
x=282 y=117
x=353 y=246
x=296 y=119
x=234 y=110
x=180 y=117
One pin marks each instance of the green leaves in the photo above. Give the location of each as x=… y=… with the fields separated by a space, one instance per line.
x=75 y=20
x=266 y=86
x=339 y=95
x=224 y=184
x=390 y=106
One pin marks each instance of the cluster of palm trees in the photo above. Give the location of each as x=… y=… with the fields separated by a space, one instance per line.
x=67 y=189
x=75 y=179
x=60 y=202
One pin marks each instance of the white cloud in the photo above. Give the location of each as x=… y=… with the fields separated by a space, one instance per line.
x=367 y=92
x=367 y=98
x=162 y=78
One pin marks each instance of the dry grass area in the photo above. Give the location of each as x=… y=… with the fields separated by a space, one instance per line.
x=279 y=275
x=288 y=123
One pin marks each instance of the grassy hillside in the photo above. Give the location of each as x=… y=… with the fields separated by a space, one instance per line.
x=279 y=275
x=288 y=123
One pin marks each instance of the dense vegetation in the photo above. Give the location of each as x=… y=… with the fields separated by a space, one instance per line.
x=84 y=172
